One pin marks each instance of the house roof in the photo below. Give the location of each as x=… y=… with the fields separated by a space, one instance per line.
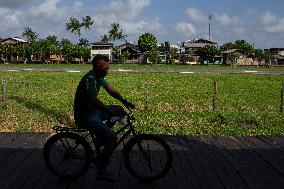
x=19 y=39
x=129 y=45
x=16 y=39
x=101 y=44
x=197 y=43
x=230 y=51
x=281 y=53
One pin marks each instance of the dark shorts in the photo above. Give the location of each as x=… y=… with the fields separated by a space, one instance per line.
x=95 y=124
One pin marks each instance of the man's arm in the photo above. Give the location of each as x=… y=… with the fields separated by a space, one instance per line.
x=99 y=104
x=114 y=93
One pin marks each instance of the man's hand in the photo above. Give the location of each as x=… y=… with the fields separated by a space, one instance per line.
x=117 y=111
x=128 y=104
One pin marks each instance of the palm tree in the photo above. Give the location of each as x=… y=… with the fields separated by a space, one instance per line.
x=29 y=34
x=115 y=33
x=74 y=25
x=83 y=42
x=104 y=38
x=87 y=22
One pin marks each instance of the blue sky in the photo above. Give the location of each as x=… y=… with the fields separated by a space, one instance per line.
x=260 y=22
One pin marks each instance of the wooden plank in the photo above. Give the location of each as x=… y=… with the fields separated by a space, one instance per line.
x=253 y=162
x=18 y=177
x=151 y=148
x=213 y=157
x=186 y=162
x=88 y=179
x=277 y=140
x=170 y=180
x=200 y=149
x=24 y=142
x=123 y=175
x=114 y=166
x=47 y=180
x=230 y=154
x=198 y=166
x=269 y=140
x=270 y=164
x=6 y=138
x=232 y=175
x=8 y=145
x=180 y=172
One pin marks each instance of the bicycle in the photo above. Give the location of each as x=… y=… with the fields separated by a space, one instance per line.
x=147 y=157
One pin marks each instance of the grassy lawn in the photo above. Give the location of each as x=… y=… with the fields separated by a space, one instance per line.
x=177 y=103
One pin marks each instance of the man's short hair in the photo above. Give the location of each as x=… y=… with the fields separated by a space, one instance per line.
x=98 y=58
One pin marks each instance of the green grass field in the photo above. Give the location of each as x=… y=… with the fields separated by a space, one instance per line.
x=177 y=103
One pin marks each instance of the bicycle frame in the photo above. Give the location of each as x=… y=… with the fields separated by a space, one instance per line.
x=127 y=129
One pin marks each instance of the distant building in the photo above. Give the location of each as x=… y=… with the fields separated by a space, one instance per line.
x=132 y=49
x=280 y=58
x=102 y=48
x=12 y=41
x=278 y=53
x=191 y=46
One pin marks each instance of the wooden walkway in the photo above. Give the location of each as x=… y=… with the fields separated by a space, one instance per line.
x=199 y=162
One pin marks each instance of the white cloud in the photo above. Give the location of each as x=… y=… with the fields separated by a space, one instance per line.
x=271 y=23
x=126 y=14
x=226 y=20
x=268 y=18
x=276 y=28
x=185 y=29
x=46 y=19
x=143 y=26
x=124 y=11
x=196 y=15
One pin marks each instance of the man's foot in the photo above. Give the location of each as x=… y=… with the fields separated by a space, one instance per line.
x=105 y=177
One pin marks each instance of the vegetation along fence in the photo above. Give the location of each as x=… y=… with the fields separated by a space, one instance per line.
x=173 y=100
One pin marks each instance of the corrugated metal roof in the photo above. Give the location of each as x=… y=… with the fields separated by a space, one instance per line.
x=230 y=51
x=19 y=39
x=281 y=53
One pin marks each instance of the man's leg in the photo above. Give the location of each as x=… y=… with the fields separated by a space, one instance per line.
x=105 y=137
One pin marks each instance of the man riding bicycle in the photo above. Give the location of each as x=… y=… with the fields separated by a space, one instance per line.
x=90 y=112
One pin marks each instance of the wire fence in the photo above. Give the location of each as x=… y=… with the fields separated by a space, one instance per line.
x=212 y=97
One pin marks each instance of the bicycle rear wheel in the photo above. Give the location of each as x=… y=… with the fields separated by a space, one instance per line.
x=67 y=155
x=147 y=157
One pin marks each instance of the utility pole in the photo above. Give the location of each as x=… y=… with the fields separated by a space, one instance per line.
x=209 y=19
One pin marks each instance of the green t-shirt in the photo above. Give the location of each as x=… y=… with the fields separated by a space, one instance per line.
x=89 y=85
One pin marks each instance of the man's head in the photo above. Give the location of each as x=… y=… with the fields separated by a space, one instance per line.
x=100 y=65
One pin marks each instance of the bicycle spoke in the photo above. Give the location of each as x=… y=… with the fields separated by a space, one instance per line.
x=145 y=155
x=67 y=155
x=153 y=155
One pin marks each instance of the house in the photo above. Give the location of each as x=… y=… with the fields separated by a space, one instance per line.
x=191 y=46
x=277 y=54
x=102 y=48
x=131 y=48
x=13 y=42
x=280 y=58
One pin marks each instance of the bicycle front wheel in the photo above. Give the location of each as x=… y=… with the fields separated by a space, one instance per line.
x=147 y=157
x=67 y=155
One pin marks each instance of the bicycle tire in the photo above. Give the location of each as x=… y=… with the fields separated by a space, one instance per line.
x=163 y=151
x=60 y=143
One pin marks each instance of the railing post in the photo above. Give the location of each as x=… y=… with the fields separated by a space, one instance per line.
x=282 y=97
x=147 y=93
x=3 y=90
x=215 y=95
